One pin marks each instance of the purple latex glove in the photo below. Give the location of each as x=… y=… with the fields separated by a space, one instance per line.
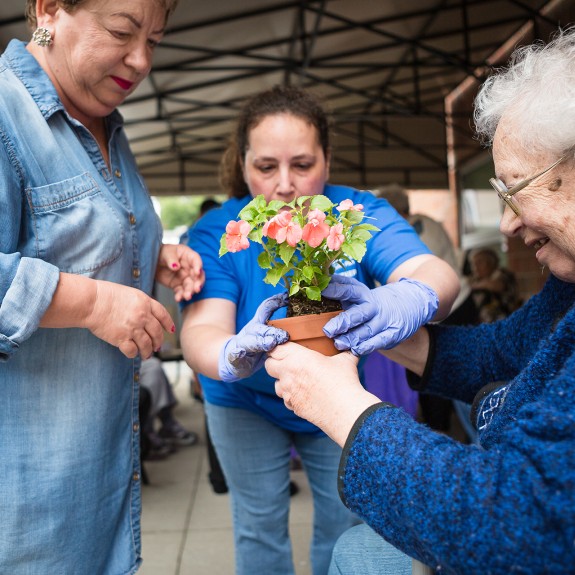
x=377 y=318
x=245 y=353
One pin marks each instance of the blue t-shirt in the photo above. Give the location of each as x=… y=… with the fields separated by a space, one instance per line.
x=238 y=278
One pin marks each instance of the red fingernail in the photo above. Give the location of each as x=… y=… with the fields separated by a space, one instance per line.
x=173 y=329
x=174 y=266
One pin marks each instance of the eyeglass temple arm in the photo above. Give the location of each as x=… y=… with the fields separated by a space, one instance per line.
x=525 y=183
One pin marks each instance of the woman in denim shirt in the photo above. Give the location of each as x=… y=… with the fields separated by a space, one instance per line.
x=80 y=247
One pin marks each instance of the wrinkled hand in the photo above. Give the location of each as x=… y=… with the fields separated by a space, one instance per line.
x=324 y=390
x=180 y=268
x=378 y=318
x=245 y=353
x=128 y=319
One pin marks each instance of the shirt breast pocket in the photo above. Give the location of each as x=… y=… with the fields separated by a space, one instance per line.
x=74 y=225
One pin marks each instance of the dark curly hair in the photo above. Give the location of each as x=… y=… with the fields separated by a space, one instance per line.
x=277 y=100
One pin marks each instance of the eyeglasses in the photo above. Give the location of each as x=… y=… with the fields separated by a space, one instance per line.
x=505 y=193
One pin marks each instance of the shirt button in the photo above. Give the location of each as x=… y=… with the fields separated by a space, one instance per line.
x=137 y=376
x=132 y=219
x=136 y=476
x=136 y=427
x=136 y=273
x=117 y=173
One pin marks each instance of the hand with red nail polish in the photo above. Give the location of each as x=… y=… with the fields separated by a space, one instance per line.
x=180 y=268
x=127 y=318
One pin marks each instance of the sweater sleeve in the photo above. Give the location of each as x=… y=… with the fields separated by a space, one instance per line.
x=464 y=359
x=506 y=509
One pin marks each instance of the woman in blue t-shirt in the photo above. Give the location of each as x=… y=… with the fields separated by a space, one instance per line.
x=281 y=150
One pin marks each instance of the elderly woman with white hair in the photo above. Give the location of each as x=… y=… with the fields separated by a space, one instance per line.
x=508 y=504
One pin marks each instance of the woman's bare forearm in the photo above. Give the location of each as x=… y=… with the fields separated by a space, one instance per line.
x=411 y=353
x=206 y=326
x=72 y=302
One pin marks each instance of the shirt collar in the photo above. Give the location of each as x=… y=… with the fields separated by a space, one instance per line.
x=27 y=69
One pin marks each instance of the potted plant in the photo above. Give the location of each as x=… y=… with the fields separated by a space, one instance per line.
x=303 y=241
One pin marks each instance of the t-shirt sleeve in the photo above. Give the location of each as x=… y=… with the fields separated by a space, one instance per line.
x=204 y=237
x=394 y=244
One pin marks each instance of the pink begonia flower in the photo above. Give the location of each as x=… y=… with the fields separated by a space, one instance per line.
x=335 y=238
x=291 y=233
x=273 y=226
x=237 y=236
x=348 y=205
x=315 y=231
x=281 y=228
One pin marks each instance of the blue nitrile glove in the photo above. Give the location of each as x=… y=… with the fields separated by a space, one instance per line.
x=245 y=353
x=377 y=318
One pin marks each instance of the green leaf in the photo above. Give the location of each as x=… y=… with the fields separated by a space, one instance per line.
x=354 y=217
x=360 y=235
x=308 y=272
x=293 y=289
x=223 y=246
x=369 y=227
x=274 y=207
x=313 y=293
x=321 y=258
x=250 y=211
x=286 y=252
x=355 y=250
x=256 y=235
x=323 y=281
x=264 y=261
x=274 y=275
x=322 y=203
x=260 y=202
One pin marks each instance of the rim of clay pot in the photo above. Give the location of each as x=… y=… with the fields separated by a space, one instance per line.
x=307 y=331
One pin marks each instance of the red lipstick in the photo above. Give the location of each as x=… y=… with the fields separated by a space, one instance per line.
x=124 y=84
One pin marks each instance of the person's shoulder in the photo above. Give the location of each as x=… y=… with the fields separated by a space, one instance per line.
x=426 y=221
x=423 y=218
x=229 y=210
x=23 y=82
x=9 y=87
x=339 y=193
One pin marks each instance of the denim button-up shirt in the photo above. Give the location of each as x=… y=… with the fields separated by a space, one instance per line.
x=69 y=434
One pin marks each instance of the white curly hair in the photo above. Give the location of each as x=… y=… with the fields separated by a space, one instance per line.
x=536 y=93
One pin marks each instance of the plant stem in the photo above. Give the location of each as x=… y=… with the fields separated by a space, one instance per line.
x=329 y=262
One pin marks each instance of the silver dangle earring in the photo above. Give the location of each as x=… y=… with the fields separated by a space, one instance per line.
x=42 y=37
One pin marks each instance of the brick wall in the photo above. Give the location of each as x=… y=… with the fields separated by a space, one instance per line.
x=521 y=261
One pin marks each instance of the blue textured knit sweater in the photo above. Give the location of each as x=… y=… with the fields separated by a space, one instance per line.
x=507 y=506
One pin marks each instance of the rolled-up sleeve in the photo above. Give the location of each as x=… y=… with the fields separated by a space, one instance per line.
x=32 y=283
x=27 y=284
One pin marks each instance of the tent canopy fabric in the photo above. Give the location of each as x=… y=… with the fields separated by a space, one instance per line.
x=383 y=68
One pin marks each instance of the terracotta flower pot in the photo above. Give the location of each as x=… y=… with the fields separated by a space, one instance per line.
x=307 y=331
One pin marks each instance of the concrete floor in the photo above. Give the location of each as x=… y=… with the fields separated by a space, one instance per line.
x=186 y=528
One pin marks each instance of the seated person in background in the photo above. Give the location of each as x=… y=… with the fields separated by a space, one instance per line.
x=171 y=434
x=494 y=288
x=507 y=505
